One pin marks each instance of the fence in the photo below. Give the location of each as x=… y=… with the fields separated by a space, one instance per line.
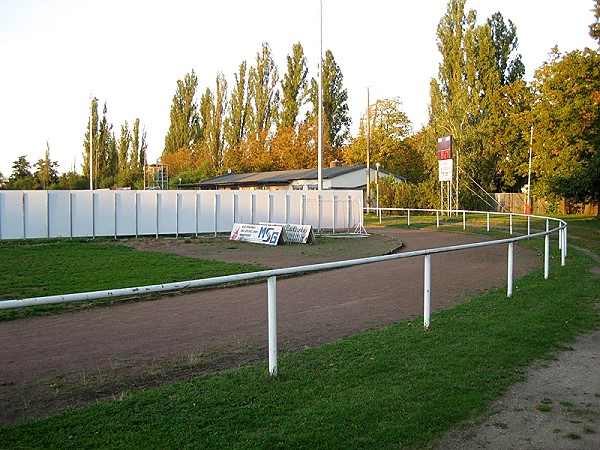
x=271 y=275
x=56 y=214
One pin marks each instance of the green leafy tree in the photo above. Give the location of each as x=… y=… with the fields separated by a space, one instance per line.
x=263 y=93
x=390 y=128
x=595 y=27
x=137 y=158
x=467 y=99
x=567 y=126
x=21 y=177
x=294 y=87
x=46 y=170
x=91 y=139
x=335 y=104
x=210 y=149
x=236 y=122
x=184 y=127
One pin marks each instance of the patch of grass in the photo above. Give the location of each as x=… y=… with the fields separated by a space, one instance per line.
x=589 y=430
x=36 y=269
x=574 y=436
x=394 y=387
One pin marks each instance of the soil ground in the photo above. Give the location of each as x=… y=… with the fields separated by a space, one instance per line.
x=67 y=360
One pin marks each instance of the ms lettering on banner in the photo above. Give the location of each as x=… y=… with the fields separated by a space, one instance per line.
x=257 y=234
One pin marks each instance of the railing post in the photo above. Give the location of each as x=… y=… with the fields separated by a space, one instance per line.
x=528 y=225
x=511 y=223
x=408 y=221
x=437 y=218
x=547 y=252
x=427 y=292
x=272 y=319
x=511 y=253
x=563 y=247
x=488 y=222
x=464 y=220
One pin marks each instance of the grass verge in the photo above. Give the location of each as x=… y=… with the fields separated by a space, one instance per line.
x=35 y=269
x=397 y=387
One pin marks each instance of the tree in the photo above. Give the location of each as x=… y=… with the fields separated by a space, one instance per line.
x=46 y=170
x=212 y=117
x=263 y=94
x=595 y=27
x=390 y=128
x=185 y=123
x=137 y=159
x=237 y=120
x=468 y=100
x=504 y=38
x=21 y=177
x=91 y=140
x=294 y=86
x=567 y=126
x=335 y=103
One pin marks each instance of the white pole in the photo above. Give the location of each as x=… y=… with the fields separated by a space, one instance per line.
x=320 y=137
x=547 y=252
x=427 y=292
x=91 y=152
x=272 y=313
x=528 y=206
x=368 y=154
x=511 y=253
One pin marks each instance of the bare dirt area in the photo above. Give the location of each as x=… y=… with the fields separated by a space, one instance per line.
x=557 y=407
x=55 y=362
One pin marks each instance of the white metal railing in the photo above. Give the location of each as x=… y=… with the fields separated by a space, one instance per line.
x=271 y=275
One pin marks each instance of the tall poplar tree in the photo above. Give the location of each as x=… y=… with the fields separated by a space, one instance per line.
x=294 y=86
x=335 y=104
x=185 y=123
x=263 y=93
x=236 y=121
x=468 y=100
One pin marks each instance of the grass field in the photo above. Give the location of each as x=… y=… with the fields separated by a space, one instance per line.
x=396 y=387
x=41 y=268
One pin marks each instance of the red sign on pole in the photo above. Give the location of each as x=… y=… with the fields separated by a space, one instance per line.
x=444 y=148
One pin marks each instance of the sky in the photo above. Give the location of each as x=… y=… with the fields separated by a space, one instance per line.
x=57 y=54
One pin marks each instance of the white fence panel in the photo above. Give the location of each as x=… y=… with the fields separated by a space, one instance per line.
x=244 y=207
x=82 y=214
x=59 y=213
x=43 y=214
x=167 y=212
x=126 y=213
x=104 y=213
x=147 y=207
x=186 y=209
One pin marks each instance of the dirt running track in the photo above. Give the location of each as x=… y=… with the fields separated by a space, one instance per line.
x=49 y=363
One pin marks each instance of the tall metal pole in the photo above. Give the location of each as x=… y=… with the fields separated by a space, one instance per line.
x=91 y=145
x=368 y=153
x=320 y=137
x=528 y=205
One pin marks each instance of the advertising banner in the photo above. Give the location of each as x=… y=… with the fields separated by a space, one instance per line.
x=295 y=234
x=445 y=169
x=258 y=234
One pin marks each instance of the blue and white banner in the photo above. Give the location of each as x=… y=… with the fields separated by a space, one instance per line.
x=294 y=233
x=258 y=234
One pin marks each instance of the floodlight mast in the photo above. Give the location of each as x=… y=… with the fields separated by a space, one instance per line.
x=320 y=137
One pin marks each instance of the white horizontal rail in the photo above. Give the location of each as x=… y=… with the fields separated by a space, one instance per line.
x=271 y=275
